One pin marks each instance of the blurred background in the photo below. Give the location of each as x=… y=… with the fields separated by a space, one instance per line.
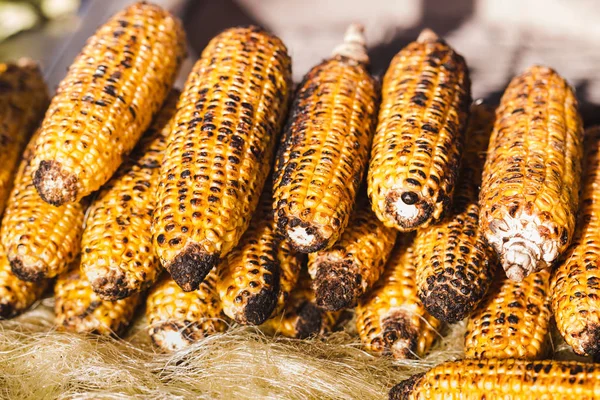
x=498 y=38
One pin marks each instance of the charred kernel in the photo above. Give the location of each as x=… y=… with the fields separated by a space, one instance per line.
x=416 y=149
x=514 y=379
x=391 y=319
x=177 y=319
x=139 y=66
x=491 y=330
x=111 y=276
x=522 y=214
x=326 y=142
x=196 y=252
x=576 y=281
x=455 y=248
x=40 y=239
x=23 y=100
x=79 y=309
x=351 y=267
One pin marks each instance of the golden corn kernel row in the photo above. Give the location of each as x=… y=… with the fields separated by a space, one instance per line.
x=576 y=281
x=415 y=158
x=220 y=150
x=79 y=309
x=351 y=267
x=503 y=379
x=325 y=148
x=391 y=319
x=117 y=255
x=513 y=319
x=177 y=319
x=40 y=239
x=16 y=296
x=23 y=100
x=531 y=179
x=302 y=318
x=454 y=265
x=107 y=100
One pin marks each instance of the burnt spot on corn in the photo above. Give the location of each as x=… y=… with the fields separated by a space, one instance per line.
x=29 y=273
x=260 y=307
x=404 y=389
x=310 y=320
x=324 y=150
x=336 y=288
x=399 y=335
x=190 y=267
x=55 y=185
x=420 y=134
x=112 y=287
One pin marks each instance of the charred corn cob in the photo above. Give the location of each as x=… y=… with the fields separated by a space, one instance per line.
x=40 y=239
x=117 y=256
x=220 y=151
x=512 y=321
x=416 y=150
x=249 y=283
x=453 y=264
x=503 y=379
x=576 y=282
x=79 y=309
x=391 y=319
x=23 y=100
x=107 y=100
x=16 y=295
x=326 y=147
x=301 y=317
x=177 y=319
x=529 y=193
x=351 y=267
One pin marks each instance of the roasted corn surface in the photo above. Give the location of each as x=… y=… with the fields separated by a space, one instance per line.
x=107 y=100
x=503 y=379
x=290 y=265
x=16 y=296
x=220 y=151
x=177 y=319
x=346 y=271
x=23 y=100
x=79 y=309
x=415 y=158
x=531 y=179
x=249 y=284
x=117 y=255
x=513 y=319
x=325 y=149
x=302 y=318
x=454 y=265
x=40 y=239
x=391 y=319
x=576 y=281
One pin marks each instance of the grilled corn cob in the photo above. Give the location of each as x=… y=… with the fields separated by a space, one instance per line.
x=326 y=147
x=529 y=193
x=301 y=317
x=512 y=321
x=107 y=100
x=249 y=283
x=16 y=295
x=416 y=150
x=454 y=266
x=23 y=100
x=177 y=319
x=117 y=256
x=576 y=282
x=391 y=318
x=79 y=309
x=351 y=267
x=220 y=152
x=503 y=379
x=40 y=239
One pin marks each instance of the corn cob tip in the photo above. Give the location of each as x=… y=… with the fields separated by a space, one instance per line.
x=427 y=35
x=443 y=303
x=110 y=287
x=28 y=272
x=408 y=208
x=589 y=340
x=304 y=239
x=191 y=266
x=310 y=320
x=54 y=185
x=399 y=336
x=335 y=287
x=173 y=336
x=404 y=389
x=354 y=45
x=6 y=311
x=259 y=308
